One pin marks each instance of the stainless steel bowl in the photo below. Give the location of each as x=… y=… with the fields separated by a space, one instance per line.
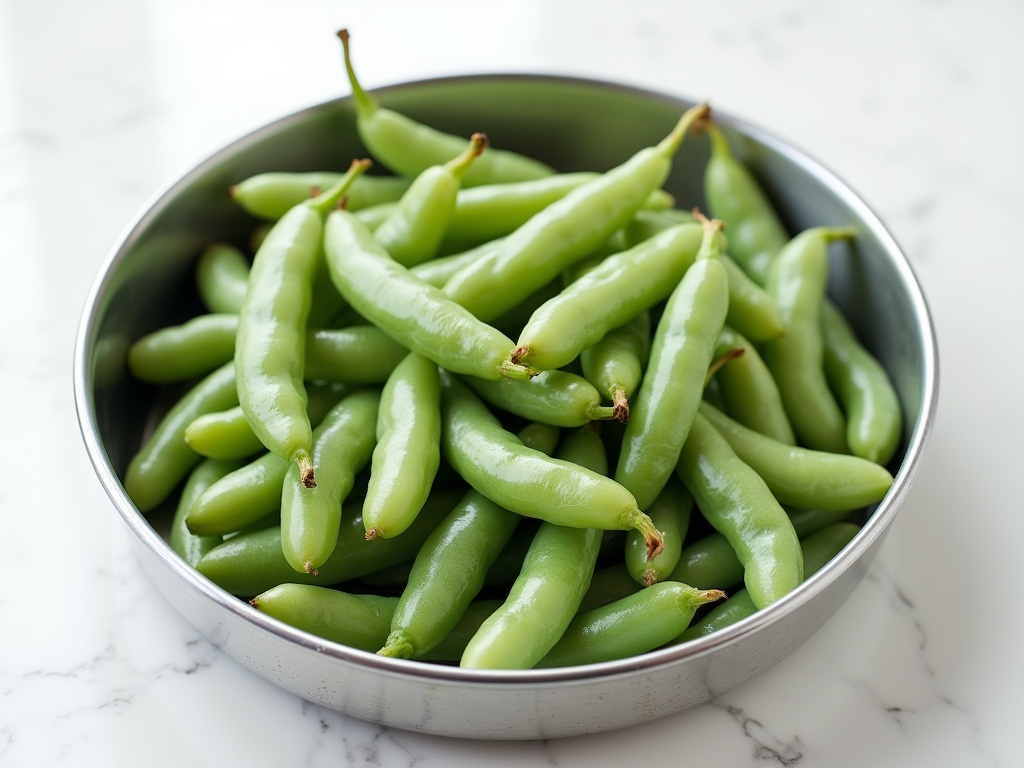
x=573 y=124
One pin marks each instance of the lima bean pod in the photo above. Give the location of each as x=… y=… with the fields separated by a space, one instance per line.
x=181 y=352
x=271 y=195
x=670 y=514
x=559 y=398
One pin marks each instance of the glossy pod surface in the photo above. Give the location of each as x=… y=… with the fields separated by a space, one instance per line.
x=563 y=122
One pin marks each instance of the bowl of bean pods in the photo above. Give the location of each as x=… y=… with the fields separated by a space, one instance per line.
x=506 y=406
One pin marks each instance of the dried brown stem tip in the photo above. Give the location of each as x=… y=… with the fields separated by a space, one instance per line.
x=620 y=405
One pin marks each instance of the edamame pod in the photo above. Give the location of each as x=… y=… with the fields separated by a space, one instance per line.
x=671 y=389
x=417 y=315
x=629 y=626
x=738 y=504
x=452 y=566
x=189 y=547
x=408 y=450
x=270 y=344
x=222 y=278
x=606 y=297
x=526 y=481
x=874 y=419
x=311 y=517
x=670 y=513
x=560 y=398
x=407 y=147
x=615 y=365
x=250 y=563
x=555 y=575
x=803 y=477
x=797 y=281
x=271 y=195
x=165 y=459
x=181 y=352
x=568 y=229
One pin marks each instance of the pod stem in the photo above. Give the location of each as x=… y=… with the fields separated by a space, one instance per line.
x=702 y=596
x=397 y=646
x=710 y=244
x=305 y=468
x=695 y=118
x=601 y=412
x=620 y=405
x=719 y=144
x=325 y=201
x=653 y=538
x=722 y=359
x=459 y=164
x=511 y=370
x=365 y=104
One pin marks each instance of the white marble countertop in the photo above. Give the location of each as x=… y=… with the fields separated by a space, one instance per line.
x=917 y=104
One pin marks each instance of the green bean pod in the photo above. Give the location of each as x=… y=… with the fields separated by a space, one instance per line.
x=555 y=576
x=165 y=458
x=630 y=626
x=181 y=352
x=797 y=281
x=734 y=195
x=189 y=547
x=270 y=343
x=615 y=365
x=311 y=517
x=493 y=461
x=407 y=147
x=222 y=278
x=250 y=563
x=271 y=195
x=804 y=477
x=560 y=398
x=567 y=230
x=681 y=351
x=412 y=233
x=358 y=621
x=749 y=391
x=452 y=566
x=670 y=514
x=606 y=297
x=417 y=315
x=408 y=451
x=228 y=435
x=874 y=419
x=738 y=504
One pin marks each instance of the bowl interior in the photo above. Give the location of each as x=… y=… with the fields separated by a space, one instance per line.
x=572 y=124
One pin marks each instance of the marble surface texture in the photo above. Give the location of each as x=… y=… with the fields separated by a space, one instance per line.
x=915 y=103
